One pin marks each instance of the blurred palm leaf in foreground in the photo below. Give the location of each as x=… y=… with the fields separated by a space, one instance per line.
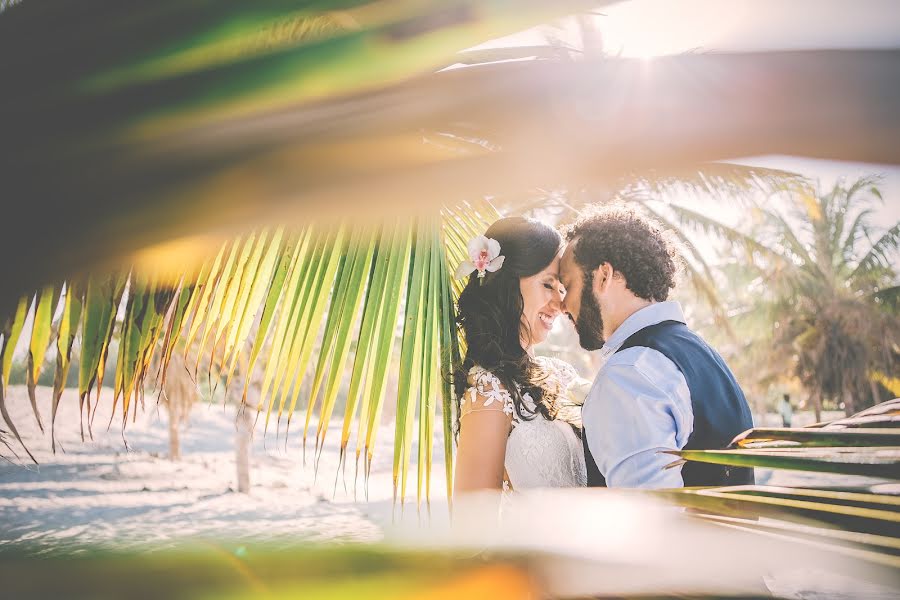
x=128 y=125
x=126 y=106
x=860 y=520
x=605 y=543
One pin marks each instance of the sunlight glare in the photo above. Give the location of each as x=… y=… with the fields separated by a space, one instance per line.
x=648 y=28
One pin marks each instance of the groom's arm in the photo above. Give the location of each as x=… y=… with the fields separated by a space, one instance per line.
x=639 y=406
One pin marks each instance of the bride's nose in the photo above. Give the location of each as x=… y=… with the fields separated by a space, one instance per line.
x=557 y=300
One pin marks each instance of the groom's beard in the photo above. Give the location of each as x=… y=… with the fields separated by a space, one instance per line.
x=590 y=322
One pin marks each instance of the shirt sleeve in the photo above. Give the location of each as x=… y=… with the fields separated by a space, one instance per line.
x=639 y=406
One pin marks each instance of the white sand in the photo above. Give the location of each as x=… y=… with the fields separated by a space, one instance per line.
x=100 y=493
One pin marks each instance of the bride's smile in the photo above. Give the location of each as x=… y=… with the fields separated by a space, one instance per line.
x=542 y=298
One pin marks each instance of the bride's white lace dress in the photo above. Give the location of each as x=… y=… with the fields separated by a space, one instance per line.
x=539 y=452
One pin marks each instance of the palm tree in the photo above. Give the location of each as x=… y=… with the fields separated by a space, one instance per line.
x=820 y=301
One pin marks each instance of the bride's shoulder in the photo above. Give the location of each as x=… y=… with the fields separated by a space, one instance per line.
x=485 y=392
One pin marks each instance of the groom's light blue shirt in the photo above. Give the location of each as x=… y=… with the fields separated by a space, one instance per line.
x=639 y=404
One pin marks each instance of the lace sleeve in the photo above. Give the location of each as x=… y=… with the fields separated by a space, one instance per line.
x=485 y=393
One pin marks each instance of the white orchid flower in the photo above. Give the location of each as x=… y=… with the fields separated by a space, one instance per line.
x=484 y=255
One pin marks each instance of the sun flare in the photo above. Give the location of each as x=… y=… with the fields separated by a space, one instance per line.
x=648 y=28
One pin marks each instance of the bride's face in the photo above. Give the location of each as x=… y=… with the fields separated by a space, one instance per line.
x=542 y=296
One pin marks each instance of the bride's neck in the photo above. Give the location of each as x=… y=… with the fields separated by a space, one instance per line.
x=525 y=341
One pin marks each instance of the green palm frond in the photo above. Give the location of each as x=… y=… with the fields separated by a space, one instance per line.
x=811 y=438
x=710 y=226
x=889 y=297
x=871 y=462
x=826 y=290
x=152 y=83
x=881 y=254
x=311 y=297
x=857 y=520
x=726 y=182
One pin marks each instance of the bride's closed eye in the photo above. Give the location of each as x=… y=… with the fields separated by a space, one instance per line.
x=553 y=288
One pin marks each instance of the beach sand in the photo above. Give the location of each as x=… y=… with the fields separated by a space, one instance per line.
x=120 y=491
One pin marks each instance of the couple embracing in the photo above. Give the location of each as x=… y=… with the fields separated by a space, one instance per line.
x=659 y=385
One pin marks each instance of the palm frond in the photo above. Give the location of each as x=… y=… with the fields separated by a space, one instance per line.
x=810 y=438
x=877 y=549
x=726 y=182
x=312 y=296
x=152 y=183
x=874 y=514
x=699 y=271
x=880 y=254
x=710 y=226
x=871 y=462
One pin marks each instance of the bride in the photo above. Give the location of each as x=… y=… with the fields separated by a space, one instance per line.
x=516 y=426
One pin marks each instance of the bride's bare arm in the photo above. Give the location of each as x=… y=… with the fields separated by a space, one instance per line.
x=484 y=429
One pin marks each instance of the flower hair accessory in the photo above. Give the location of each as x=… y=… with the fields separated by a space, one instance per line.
x=484 y=255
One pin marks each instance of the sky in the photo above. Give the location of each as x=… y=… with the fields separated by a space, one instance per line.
x=644 y=28
x=650 y=28
x=647 y=28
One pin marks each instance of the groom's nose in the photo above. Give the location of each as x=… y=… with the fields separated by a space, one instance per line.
x=565 y=310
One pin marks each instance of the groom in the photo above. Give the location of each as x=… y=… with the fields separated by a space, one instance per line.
x=660 y=386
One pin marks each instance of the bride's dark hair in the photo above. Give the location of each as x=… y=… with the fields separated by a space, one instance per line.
x=490 y=313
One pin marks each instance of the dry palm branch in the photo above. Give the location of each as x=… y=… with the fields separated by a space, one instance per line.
x=859 y=517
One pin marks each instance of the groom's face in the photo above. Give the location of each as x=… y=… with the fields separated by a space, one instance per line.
x=589 y=324
x=580 y=304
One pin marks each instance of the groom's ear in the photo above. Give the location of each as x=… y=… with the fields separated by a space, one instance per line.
x=603 y=277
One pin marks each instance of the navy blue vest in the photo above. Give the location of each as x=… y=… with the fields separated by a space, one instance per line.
x=720 y=409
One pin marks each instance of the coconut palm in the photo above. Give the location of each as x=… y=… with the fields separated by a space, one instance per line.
x=821 y=291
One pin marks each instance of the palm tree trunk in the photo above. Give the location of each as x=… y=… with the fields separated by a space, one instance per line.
x=876 y=395
x=817 y=405
x=849 y=403
x=174 y=439
x=244 y=427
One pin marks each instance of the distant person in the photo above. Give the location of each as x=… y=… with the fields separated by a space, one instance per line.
x=786 y=410
x=660 y=386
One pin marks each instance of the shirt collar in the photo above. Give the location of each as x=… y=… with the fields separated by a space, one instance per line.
x=645 y=317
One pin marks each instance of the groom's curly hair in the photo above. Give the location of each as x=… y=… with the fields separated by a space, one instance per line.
x=490 y=314
x=634 y=245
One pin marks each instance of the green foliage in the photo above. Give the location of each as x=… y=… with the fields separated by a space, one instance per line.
x=300 y=302
x=859 y=519
x=811 y=291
